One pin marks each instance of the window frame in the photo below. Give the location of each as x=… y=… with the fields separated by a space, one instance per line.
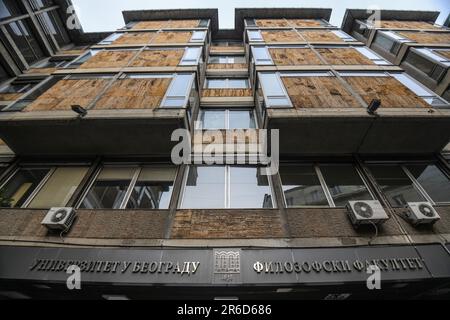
x=227 y=81
x=226 y=117
x=227 y=188
x=323 y=183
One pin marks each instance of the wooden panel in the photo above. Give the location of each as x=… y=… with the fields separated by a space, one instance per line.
x=281 y=36
x=227 y=93
x=391 y=92
x=225 y=48
x=271 y=23
x=10 y=96
x=41 y=70
x=183 y=24
x=305 y=23
x=134 y=94
x=320 y=36
x=135 y=38
x=172 y=37
x=407 y=25
x=109 y=59
x=66 y=93
x=318 y=92
x=427 y=37
x=158 y=58
x=150 y=25
x=444 y=53
x=344 y=56
x=72 y=52
x=216 y=66
x=294 y=56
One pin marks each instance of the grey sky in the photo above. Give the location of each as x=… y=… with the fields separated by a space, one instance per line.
x=106 y=15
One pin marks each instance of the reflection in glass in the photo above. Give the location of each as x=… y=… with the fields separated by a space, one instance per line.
x=241 y=119
x=395 y=184
x=249 y=189
x=109 y=189
x=17 y=191
x=344 y=184
x=301 y=186
x=433 y=180
x=153 y=189
x=25 y=41
x=205 y=188
x=213 y=119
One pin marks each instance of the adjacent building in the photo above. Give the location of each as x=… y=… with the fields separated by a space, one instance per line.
x=87 y=122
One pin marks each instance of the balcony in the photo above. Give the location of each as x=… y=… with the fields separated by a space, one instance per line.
x=318 y=113
x=132 y=115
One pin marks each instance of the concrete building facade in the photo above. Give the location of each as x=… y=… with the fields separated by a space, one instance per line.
x=86 y=122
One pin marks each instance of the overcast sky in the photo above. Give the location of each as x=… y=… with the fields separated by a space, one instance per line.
x=106 y=15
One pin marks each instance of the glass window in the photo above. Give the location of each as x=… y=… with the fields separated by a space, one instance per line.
x=24 y=39
x=9 y=8
x=301 y=186
x=198 y=36
x=255 y=36
x=227 y=59
x=109 y=189
x=344 y=184
x=433 y=180
x=191 y=56
x=227 y=83
x=395 y=184
x=17 y=87
x=59 y=188
x=372 y=56
x=53 y=26
x=153 y=189
x=274 y=91
x=249 y=189
x=344 y=36
x=205 y=188
x=3 y=74
x=16 y=192
x=178 y=91
x=261 y=56
x=39 y=4
x=110 y=39
x=215 y=119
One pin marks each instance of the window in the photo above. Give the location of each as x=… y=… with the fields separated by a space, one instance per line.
x=9 y=8
x=191 y=56
x=330 y=185
x=21 y=186
x=344 y=184
x=344 y=36
x=301 y=186
x=83 y=58
x=226 y=83
x=435 y=183
x=254 y=36
x=274 y=91
x=396 y=185
x=131 y=188
x=41 y=187
x=433 y=65
x=16 y=89
x=110 y=39
x=216 y=187
x=261 y=56
x=389 y=41
x=227 y=59
x=216 y=119
x=39 y=4
x=3 y=74
x=372 y=56
x=25 y=41
x=178 y=92
x=53 y=26
x=198 y=36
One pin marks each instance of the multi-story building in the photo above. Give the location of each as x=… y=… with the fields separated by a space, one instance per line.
x=95 y=134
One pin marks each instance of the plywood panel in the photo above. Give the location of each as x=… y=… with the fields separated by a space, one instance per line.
x=444 y=53
x=158 y=58
x=281 y=36
x=427 y=37
x=320 y=36
x=294 y=56
x=271 y=23
x=41 y=70
x=66 y=93
x=343 y=56
x=134 y=94
x=319 y=92
x=227 y=93
x=305 y=23
x=215 y=66
x=213 y=49
x=109 y=59
x=391 y=92
x=392 y=24
x=150 y=25
x=183 y=24
x=10 y=96
x=172 y=37
x=135 y=38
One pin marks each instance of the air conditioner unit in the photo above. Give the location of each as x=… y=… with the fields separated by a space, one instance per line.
x=59 y=218
x=366 y=212
x=421 y=213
